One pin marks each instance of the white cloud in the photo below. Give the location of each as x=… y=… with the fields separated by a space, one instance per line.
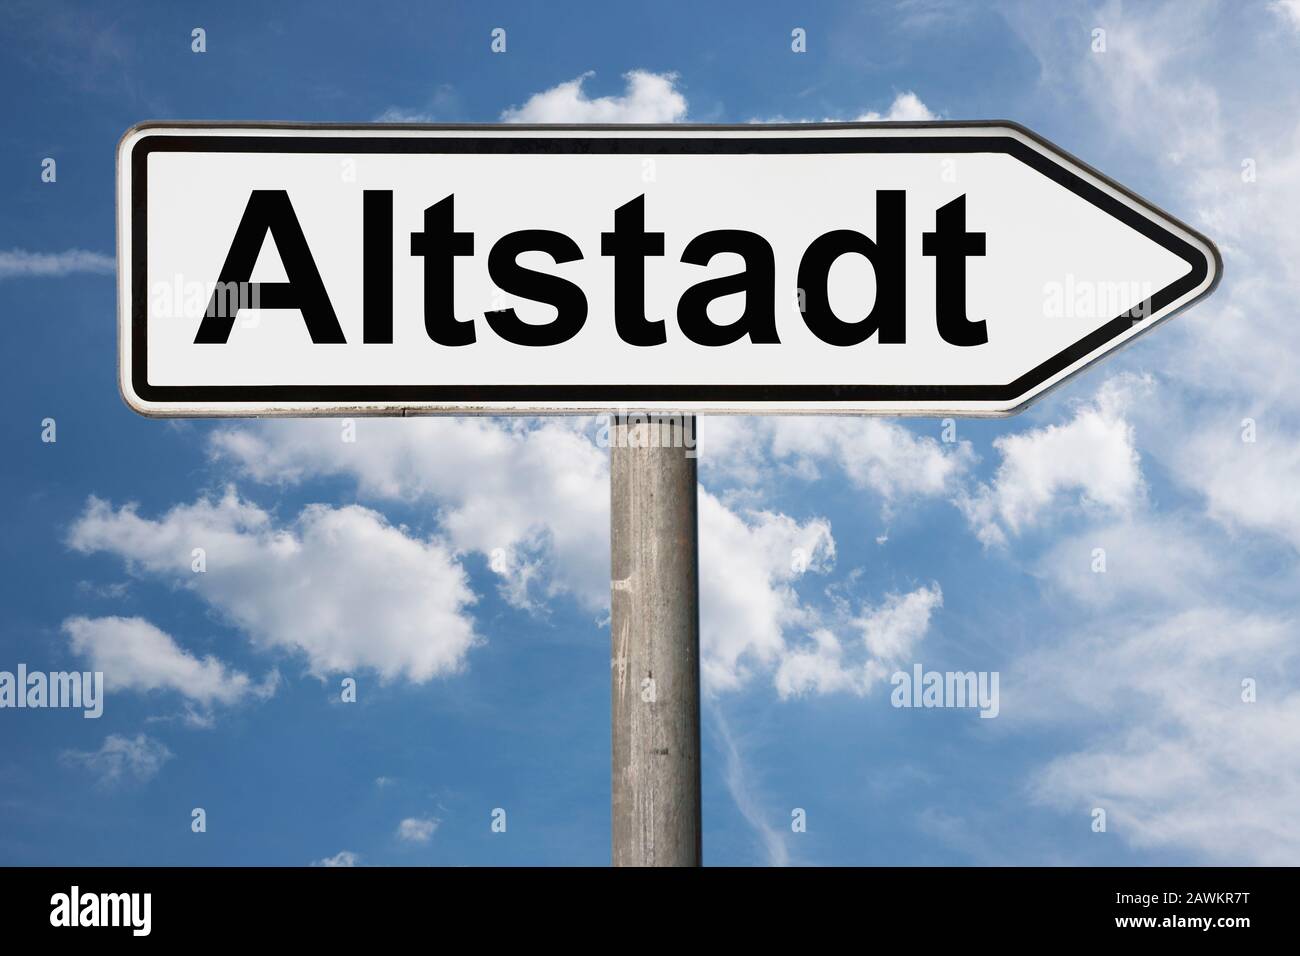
x=907 y=107
x=135 y=655
x=818 y=666
x=892 y=631
x=1167 y=90
x=116 y=590
x=397 y=114
x=1151 y=689
x=648 y=98
x=1171 y=751
x=1288 y=10
x=877 y=455
x=1235 y=168
x=1248 y=486
x=881 y=456
x=19 y=263
x=736 y=775
x=886 y=637
x=442 y=104
x=1144 y=558
x=416 y=830
x=122 y=759
x=340 y=585
x=533 y=500
x=341 y=858
x=1092 y=459
x=748 y=567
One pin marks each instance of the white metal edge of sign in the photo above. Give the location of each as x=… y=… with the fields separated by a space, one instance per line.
x=1201 y=255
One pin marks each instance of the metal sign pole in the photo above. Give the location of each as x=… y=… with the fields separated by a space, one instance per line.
x=655 y=642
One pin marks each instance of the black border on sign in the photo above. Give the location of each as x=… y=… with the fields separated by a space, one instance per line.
x=1198 y=264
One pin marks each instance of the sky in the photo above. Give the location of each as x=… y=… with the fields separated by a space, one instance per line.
x=1124 y=555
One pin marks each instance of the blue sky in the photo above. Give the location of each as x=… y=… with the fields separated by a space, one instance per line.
x=459 y=568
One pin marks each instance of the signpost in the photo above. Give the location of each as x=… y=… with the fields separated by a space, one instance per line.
x=899 y=268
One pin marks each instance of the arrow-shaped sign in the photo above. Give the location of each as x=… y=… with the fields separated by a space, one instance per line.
x=939 y=268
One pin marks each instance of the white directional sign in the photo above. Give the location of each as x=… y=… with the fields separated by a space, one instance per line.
x=892 y=268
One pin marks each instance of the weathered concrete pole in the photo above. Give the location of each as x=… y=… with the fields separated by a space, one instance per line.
x=655 y=642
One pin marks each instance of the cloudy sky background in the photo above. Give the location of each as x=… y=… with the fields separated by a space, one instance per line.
x=457 y=569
